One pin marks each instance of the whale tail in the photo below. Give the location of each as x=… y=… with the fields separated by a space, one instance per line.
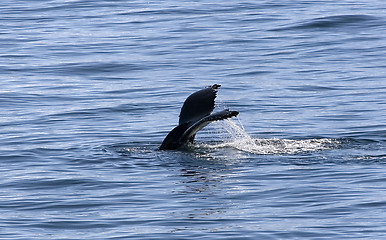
x=196 y=113
x=199 y=104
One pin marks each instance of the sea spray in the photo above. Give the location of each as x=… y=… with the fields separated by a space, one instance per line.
x=239 y=139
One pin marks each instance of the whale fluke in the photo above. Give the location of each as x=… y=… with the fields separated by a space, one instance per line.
x=196 y=113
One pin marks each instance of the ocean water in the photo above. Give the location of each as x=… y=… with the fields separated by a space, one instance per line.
x=89 y=89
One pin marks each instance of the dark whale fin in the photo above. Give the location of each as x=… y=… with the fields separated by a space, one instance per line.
x=195 y=115
x=199 y=104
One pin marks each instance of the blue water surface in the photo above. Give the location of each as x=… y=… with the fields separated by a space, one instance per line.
x=89 y=89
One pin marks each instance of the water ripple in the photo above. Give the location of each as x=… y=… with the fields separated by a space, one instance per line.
x=337 y=22
x=90 y=89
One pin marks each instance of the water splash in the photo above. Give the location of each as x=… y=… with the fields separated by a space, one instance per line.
x=239 y=139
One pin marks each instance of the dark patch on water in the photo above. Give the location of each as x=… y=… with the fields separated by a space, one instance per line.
x=336 y=22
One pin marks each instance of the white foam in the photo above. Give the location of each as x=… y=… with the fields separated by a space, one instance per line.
x=239 y=139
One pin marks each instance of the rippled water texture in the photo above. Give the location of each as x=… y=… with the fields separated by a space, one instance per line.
x=89 y=89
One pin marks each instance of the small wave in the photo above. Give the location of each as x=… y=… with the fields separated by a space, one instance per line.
x=332 y=22
x=240 y=140
x=312 y=88
x=338 y=21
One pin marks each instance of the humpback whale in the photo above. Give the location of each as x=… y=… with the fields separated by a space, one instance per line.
x=196 y=113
